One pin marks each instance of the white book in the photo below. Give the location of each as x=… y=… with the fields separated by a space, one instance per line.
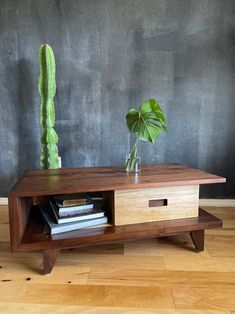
x=92 y=215
x=72 y=210
x=60 y=228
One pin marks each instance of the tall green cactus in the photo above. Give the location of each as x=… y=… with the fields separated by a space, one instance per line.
x=47 y=90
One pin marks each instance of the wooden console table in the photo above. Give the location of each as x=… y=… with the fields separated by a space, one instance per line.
x=161 y=200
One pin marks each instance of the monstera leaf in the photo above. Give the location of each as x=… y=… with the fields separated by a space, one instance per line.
x=148 y=122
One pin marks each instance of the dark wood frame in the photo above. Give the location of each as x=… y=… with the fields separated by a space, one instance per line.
x=37 y=186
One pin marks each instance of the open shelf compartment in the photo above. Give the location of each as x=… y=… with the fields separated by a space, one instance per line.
x=34 y=238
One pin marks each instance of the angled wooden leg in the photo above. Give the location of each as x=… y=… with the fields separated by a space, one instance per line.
x=49 y=258
x=198 y=239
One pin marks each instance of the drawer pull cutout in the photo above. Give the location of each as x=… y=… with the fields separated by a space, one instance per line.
x=157 y=203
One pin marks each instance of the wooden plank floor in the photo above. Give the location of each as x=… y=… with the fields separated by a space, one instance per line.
x=151 y=276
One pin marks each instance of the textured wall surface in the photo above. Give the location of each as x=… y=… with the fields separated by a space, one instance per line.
x=112 y=55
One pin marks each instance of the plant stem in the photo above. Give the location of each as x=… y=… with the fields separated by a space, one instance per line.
x=130 y=163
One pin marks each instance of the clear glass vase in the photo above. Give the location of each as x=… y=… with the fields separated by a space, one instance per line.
x=133 y=161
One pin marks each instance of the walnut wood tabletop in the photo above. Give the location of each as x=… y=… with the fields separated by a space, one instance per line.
x=75 y=180
x=38 y=186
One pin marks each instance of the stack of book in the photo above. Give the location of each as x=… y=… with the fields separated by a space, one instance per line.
x=71 y=213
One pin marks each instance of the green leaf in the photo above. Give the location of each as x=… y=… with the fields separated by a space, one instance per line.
x=148 y=122
x=132 y=119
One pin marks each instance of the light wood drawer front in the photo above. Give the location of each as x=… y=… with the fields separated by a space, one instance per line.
x=155 y=204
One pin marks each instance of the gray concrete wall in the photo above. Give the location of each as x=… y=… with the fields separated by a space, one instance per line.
x=112 y=55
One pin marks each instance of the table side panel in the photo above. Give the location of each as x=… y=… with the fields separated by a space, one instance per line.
x=19 y=210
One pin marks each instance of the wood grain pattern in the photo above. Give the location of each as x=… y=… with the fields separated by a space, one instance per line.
x=198 y=239
x=151 y=277
x=222 y=246
x=73 y=309
x=181 y=263
x=227 y=214
x=35 y=239
x=196 y=283
x=49 y=258
x=60 y=181
x=132 y=206
x=19 y=210
x=88 y=295
x=206 y=298
x=180 y=244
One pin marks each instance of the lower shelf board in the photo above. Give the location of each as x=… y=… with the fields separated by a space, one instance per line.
x=35 y=239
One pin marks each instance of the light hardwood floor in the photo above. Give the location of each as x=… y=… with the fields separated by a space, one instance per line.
x=152 y=276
